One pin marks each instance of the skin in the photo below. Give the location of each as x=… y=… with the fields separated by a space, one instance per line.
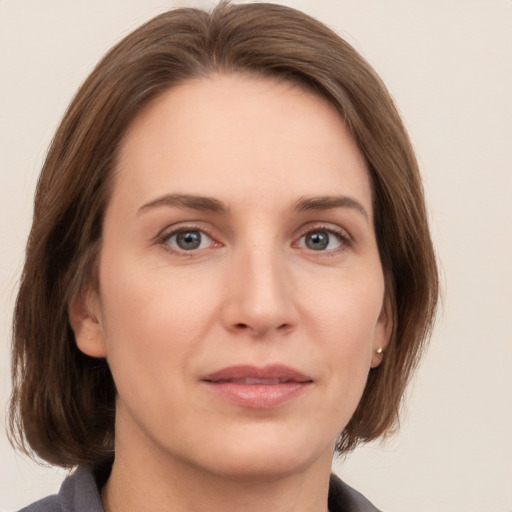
x=253 y=292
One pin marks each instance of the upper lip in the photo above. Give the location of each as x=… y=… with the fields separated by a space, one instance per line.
x=279 y=372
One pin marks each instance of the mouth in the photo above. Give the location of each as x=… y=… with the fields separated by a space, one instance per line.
x=251 y=381
x=258 y=387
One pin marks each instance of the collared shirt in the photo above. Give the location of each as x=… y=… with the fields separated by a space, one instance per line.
x=80 y=493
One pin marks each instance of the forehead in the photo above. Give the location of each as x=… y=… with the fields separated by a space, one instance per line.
x=244 y=135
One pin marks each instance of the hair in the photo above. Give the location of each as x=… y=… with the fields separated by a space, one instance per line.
x=63 y=402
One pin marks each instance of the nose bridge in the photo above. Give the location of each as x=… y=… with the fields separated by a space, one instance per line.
x=259 y=298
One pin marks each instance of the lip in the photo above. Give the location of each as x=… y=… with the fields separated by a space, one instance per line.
x=254 y=387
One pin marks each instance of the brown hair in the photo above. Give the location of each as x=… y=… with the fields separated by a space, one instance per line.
x=63 y=402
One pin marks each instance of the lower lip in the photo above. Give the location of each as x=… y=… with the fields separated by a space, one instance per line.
x=258 y=396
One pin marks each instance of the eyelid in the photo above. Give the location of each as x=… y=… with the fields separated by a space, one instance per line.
x=343 y=234
x=165 y=234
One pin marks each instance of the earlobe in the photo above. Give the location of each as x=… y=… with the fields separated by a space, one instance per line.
x=383 y=333
x=84 y=319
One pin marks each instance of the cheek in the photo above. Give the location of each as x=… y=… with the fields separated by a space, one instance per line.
x=349 y=353
x=345 y=320
x=150 y=320
x=346 y=310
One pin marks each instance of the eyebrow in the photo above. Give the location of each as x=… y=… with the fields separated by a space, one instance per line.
x=211 y=204
x=328 y=203
x=192 y=202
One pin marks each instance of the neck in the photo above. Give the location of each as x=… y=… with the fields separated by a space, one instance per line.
x=146 y=480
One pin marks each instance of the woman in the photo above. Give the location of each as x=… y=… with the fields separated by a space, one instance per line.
x=229 y=275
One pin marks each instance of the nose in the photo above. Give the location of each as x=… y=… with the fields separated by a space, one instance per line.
x=260 y=299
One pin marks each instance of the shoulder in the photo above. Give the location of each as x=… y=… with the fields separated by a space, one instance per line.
x=79 y=493
x=343 y=498
x=49 y=504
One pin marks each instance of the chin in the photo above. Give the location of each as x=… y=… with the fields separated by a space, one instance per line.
x=270 y=461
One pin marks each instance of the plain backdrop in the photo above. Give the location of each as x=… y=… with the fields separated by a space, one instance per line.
x=448 y=64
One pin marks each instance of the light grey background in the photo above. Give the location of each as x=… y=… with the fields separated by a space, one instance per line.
x=448 y=63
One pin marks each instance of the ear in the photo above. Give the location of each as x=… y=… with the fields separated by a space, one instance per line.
x=84 y=317
x=383 y=332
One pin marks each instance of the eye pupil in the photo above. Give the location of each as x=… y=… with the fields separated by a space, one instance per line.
x=317 y=241
x=188 y=240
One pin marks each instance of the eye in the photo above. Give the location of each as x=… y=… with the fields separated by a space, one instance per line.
x=321 y=240
x=188 y=240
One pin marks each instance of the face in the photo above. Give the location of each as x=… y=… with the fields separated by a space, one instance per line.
x=240 y=298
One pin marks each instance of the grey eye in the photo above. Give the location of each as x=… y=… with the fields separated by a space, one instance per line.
x=189 y=240
x=321 y=240
x=317 y=241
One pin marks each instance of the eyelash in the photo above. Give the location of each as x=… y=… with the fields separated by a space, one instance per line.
x=344 y=239
x=165 y=236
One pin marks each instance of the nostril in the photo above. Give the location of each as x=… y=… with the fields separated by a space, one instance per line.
x=243 y=327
